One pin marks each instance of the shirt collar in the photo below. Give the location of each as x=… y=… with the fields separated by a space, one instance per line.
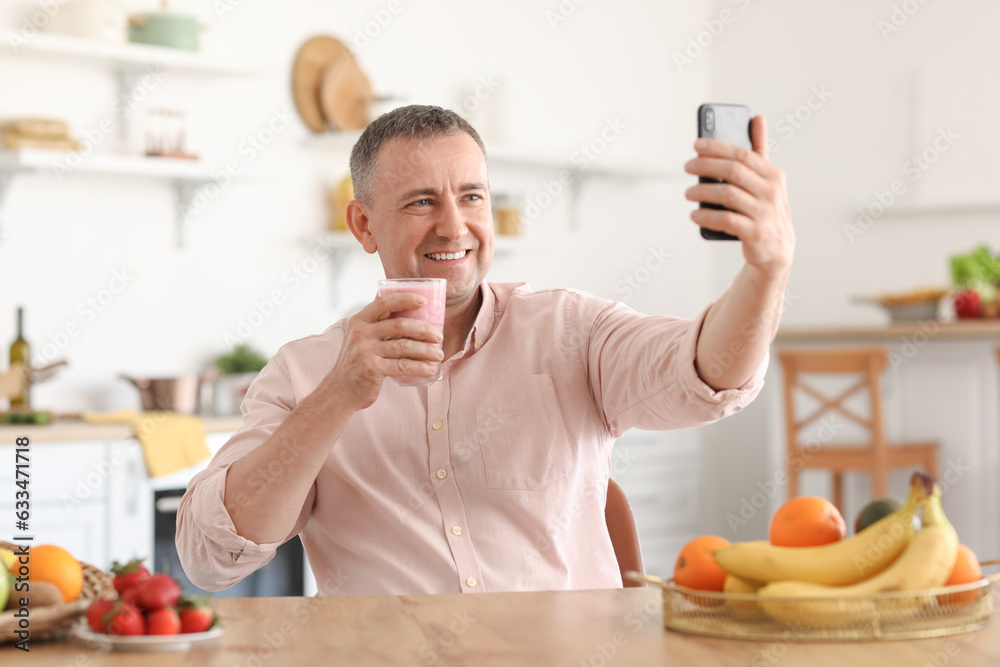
x=483 y=326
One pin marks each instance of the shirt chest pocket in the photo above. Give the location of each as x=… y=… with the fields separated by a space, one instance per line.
x=522 y=437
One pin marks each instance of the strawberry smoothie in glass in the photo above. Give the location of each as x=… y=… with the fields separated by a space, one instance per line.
x=434 y=291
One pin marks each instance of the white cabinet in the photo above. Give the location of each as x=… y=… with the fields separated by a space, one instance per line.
x=69 y=485
x=659 y=473
x=129 y=504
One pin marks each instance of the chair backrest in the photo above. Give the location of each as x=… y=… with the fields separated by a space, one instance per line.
x=867 y=362
x=624 y=536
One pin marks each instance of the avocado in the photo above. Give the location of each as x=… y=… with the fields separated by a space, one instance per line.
x=875 y=510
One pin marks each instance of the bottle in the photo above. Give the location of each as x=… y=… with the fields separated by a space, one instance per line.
x=20 y=352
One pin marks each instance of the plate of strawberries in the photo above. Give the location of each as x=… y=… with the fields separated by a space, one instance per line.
x=149 y=614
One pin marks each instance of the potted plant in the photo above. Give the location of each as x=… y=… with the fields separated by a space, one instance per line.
x=239 y=368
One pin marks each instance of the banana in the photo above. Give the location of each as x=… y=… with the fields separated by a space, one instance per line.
x=734 y=584
x=838 y=564
x=926 y=563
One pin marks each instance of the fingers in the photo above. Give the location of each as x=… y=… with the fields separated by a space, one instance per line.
x=723 y=221
x=758 y=136
x=730 y=170
x=724 y=194
x=385 y=305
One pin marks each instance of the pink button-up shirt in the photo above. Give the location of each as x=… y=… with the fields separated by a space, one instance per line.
x=494 y=478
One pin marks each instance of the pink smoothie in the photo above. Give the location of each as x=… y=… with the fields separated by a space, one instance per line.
x=434 y=290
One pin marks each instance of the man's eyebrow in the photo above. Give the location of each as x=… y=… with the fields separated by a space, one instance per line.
x=417 y=192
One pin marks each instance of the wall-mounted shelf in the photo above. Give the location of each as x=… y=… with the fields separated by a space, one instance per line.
x=123 y=56
x=503 y=157
x=341 y=245
x=939 y=210
x=129 y=63
x=187 y=176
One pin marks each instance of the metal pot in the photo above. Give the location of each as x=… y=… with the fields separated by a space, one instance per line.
x=177 y=394
x=177 y=31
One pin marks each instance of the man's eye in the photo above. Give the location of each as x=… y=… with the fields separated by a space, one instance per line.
x=474 y=197
x=421 y=202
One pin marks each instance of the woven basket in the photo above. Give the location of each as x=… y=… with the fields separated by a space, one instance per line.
x=55 y=621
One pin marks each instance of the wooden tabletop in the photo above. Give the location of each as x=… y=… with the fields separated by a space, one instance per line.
x=573 y=628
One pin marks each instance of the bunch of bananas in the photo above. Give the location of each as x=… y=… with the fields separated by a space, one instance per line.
x=830 y=585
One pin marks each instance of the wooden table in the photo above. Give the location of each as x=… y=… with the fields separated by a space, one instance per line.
x=572 y=628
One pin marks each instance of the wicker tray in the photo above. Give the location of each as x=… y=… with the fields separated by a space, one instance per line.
x=55 y=622
x=890 y=615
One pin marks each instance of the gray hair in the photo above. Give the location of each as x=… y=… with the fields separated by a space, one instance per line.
x=416 y=122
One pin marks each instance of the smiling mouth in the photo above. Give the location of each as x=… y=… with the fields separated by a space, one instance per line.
x=438 y=256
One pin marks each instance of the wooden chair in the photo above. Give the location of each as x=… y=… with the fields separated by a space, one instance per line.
x=876 y=455
x=624 y=536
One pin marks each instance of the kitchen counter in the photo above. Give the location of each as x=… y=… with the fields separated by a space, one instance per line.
x=956 y=330
x=80 y=431
x=571 y=628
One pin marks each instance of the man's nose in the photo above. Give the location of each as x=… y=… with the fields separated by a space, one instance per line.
x=451 y=222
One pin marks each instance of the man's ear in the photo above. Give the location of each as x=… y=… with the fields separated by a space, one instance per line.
x=358 y=220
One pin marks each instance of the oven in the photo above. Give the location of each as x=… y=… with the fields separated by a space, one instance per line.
x=284 y=575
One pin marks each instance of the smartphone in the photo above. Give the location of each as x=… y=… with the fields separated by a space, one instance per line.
x=729 y=123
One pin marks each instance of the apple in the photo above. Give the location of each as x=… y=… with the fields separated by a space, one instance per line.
x=968 y=304
x=4 y=589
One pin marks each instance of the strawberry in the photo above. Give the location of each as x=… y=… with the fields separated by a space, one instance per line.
x=129 y=595
x=163 y=621
x=196 y=615
x=125 y=619
x=128 y=575
x=98 y=614
x=160 y=590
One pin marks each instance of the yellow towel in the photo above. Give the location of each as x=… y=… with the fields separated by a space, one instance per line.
x=170 y=441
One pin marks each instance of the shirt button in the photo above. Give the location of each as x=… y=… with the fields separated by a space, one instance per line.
x=456 y=531
x=442 y=473
x=437 y=426
x=471 y=582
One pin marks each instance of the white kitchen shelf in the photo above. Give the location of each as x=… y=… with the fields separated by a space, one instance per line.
x=37 y=159
x=337 y=241
x=187 y=176
x=343 y=244
x=939 y=210
x=123 y=56
x=515 y=157
x=502 y=156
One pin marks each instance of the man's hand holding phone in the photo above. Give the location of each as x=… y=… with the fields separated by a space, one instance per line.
x=754 y=191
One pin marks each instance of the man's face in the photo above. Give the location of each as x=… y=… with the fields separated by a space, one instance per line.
x=431 y=202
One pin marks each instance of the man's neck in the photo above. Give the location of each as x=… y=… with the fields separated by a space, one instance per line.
x=458 y=323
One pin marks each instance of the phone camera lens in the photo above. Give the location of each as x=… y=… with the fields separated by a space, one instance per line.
x=709 y=120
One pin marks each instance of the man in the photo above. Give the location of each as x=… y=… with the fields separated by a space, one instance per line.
x=494 y=477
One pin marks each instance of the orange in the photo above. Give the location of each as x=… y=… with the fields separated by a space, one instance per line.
x=807 y=521
x=696 y=567
x=965 y=571
x=56 y=566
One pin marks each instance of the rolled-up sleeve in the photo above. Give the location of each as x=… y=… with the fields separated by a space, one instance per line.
x=642 y=373
x=214 y=556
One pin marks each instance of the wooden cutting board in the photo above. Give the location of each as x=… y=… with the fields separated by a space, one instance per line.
x=311 y=64
x=345 y=96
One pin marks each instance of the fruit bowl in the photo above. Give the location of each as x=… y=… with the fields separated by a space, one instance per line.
x=56 y=621
x=908 y=615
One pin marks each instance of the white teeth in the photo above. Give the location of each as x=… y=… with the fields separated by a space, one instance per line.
x=448 y=255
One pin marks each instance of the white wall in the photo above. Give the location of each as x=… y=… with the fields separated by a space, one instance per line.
x=889 y=92
x=561 y=83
